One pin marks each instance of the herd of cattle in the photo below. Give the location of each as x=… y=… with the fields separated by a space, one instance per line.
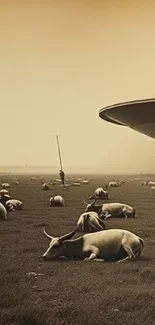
x=97 y=243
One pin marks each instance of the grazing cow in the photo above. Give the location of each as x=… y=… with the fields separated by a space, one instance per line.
x=113 y=210
x=5 y=185
x=56 y=201
x=100 y=194
x=33 y=178
x=3 y=212
x=113 y=184
x=105 y=245
x=13 y=205
x=90 y=222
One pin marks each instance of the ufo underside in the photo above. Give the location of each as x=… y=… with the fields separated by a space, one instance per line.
x=138 y=115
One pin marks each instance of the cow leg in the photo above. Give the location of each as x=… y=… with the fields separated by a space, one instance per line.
x=83 y=227
x=107 y=216
x=130 y=254
x=95 y=227
x=98 y=260
x=93 y=255
x=101 y=222
x=11 y=208
x=93 y=258
x=125 y=213
x=91 y=227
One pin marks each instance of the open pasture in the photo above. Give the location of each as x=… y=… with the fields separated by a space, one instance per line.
x=35 y=292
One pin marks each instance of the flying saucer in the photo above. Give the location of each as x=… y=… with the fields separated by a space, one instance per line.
x=138 y=115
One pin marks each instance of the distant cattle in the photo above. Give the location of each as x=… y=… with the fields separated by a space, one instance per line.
x=144 y=183
x=15 y=182
x=79 y=180
x=114 y=184
x=85 y=181
x=45 y=185
x=151 y=183
x=100 y=194
x=76 y=184
x=58 y=181
x=56 y=201
x=5 y=185
x=33 y=178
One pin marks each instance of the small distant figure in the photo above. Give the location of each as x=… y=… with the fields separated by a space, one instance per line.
x=62 y=176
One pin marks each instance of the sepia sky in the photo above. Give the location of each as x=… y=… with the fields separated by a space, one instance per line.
x=60 y=63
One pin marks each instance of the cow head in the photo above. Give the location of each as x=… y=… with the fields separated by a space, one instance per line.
x=51 y=201
x=4 y=198
x=56 y=247
x=92 y=206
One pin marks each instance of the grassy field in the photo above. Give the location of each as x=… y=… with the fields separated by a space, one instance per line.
x=35 y=292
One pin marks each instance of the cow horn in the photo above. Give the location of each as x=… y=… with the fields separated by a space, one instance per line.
x=68 y=236
x=46 y=234
x=92 y=197
x=94 y=201
x=85 y=202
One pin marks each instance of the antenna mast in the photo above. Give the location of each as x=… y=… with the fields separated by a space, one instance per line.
x=57 y=137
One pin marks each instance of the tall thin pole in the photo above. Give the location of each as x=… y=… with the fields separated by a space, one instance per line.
x=59 y=151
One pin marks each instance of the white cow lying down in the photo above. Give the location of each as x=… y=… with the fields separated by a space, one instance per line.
x=3 y=192
x=5 y=185
x=90 y=222
x=113 y=210
x=104 y=245
x=3 y=212
x=13 y=205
